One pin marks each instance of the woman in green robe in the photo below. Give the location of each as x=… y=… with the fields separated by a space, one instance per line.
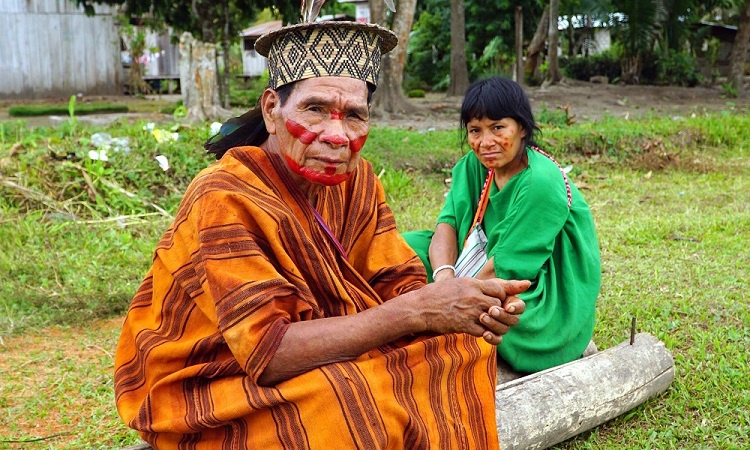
x=537 y=224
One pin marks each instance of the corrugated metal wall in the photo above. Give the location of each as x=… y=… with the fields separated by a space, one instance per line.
x=50 y=48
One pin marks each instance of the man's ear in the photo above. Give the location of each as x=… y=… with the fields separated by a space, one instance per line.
x=269 y=103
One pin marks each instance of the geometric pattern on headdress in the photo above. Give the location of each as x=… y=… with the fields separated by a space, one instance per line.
x=341 y=49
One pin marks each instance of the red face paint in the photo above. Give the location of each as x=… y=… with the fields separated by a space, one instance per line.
x=298 y=131
x=334 y=139
x=357 y=144
x=337 y=115
x=317 y=177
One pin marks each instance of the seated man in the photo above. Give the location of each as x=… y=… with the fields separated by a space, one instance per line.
x=283 y=309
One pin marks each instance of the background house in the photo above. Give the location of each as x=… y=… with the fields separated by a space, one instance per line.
x=253 y=64
x=160 y=60
x=50 y=48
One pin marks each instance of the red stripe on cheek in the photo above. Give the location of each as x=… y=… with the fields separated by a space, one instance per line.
x=298 y=131
x=337 y=115
x=357 y=144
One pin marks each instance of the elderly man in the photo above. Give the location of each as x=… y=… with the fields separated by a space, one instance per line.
x=283 y=309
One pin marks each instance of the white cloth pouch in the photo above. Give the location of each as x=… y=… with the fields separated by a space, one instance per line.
x=474 y=254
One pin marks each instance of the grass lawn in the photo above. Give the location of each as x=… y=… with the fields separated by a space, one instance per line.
x=671 y=201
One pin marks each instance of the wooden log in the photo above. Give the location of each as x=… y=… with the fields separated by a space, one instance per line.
x=143 y=446
x=545 y=408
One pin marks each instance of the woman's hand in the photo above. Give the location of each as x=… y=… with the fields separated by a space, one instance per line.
x=482 y=308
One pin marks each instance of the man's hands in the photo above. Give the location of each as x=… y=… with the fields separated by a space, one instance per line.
x=482 y=308
x=486 y=308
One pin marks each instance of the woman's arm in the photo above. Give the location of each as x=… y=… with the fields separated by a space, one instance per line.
x=481 y=308
x=444 y=250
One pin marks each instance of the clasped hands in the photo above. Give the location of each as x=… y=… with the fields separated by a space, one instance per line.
x=482 y=308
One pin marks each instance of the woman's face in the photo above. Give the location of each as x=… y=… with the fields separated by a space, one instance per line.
x=497 y=143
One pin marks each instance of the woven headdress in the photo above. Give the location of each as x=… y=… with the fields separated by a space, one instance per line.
x=331 y=48
x=309 y=50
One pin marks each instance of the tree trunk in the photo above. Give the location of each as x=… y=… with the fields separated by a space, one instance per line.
x=738 y=57
x=198 y=80
x=553 y=70
x=518 y=74
x=536 y=47
x=459 y=71
x=389 y=98
x=225 y=43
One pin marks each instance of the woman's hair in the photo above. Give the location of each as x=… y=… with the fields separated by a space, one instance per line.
x=497 y=98
x=249 y=128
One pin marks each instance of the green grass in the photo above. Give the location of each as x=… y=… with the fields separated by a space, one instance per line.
x=60 y=109
x=671 y=201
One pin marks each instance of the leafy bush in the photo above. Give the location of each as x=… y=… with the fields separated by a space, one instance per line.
x=583 y=68
x=416 y=93
x=496 y=59
x=428 y=52
x=677 y=68
x=728 y=90
x=559 y=117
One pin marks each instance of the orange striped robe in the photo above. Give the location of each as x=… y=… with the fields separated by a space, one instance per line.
x=243 y=259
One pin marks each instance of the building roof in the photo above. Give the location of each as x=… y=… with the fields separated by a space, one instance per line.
x=261 y=29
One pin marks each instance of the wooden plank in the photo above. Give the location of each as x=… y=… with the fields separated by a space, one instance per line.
x=542 y=409
x=10 y=61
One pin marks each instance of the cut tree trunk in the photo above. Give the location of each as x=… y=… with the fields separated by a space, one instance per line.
x=545 y=408
x=535 y=52
x=198 y=81
x=738 y=57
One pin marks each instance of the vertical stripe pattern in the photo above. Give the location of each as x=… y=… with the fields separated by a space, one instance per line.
x=244 y=258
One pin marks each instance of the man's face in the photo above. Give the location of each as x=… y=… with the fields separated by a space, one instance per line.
x=321 y=128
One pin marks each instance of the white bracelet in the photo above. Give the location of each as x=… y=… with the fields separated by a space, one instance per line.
x=444 y=266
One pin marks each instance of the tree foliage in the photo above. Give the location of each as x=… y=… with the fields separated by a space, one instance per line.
x=490 y=39
x=204 y=19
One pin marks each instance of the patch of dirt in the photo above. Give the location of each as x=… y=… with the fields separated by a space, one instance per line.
x=586 y=102
x=51 y=382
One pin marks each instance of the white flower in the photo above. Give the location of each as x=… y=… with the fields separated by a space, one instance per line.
x=121 y=144
x=163 y=162
x=215 y=128
x=100 y=155
x=149 y=126
x=99 y=140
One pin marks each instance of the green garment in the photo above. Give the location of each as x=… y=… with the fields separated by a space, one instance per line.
x=533 y=235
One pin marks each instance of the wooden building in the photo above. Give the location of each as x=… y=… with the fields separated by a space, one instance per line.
x=253 y=64
x=50 y=48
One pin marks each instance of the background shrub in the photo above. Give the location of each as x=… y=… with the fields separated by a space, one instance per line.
x=583 y=68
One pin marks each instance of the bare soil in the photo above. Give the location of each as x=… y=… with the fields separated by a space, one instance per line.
x=584 y=101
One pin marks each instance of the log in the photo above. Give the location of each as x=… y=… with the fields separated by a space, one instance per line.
x=545 y=408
